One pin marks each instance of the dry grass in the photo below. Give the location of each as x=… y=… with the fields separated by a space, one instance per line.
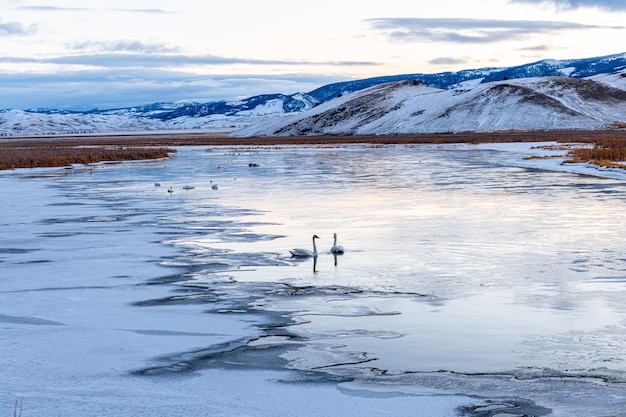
x=214 y=139
x=60 y=156
x=67 y=150
x=558 y=147
x=17 y=410
x=562 y=147
x=530 y=158
x=607 y=152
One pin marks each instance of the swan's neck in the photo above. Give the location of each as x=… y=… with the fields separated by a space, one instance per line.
x=314 y=247
x=335 y=242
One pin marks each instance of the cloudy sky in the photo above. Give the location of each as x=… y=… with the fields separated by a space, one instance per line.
x=83 y=54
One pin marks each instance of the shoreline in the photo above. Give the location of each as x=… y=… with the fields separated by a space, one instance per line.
x=57 y=151
x=222 y=139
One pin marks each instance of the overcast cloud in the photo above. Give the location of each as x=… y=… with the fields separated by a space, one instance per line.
x=606 y=4
x=158 y=60
x=14 y=29
x=103 y=89
x=48 y=8
x=459 y=30
x=79 y=55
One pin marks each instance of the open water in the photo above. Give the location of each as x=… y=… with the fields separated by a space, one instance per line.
x=462 y=273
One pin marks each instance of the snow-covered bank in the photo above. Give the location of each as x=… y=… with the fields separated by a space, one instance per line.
x=547 y=156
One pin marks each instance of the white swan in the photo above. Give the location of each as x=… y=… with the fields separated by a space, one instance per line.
x=305 y=253
x=336 y=248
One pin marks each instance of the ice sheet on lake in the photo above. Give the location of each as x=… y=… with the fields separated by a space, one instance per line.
x=473 y=281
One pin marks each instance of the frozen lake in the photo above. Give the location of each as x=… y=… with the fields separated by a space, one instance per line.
x=473 y=283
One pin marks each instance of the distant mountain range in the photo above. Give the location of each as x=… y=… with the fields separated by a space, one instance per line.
x=474 y=93
x=409 y=107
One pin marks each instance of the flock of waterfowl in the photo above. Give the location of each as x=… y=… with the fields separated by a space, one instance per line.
x=296 y=252
x=186 y=187
x=213 y=186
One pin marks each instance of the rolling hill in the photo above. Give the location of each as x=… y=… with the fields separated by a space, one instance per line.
x=449 y=101
x=406 y=107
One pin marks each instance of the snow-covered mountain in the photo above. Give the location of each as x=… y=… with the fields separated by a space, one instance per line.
x=270 y=108
x=405 y=107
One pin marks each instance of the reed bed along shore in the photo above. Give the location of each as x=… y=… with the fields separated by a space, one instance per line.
x=54 y=151
x=605 y=152
x=61 y=156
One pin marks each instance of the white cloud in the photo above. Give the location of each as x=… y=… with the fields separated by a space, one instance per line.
x=123 y=46
x=449 y=61
x=124 y=56
x=461 y=30
x=605 y=4
x=15 y=29
x=47 y=8
x=83 y=90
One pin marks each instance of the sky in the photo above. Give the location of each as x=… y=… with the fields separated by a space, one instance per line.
x=79 y=55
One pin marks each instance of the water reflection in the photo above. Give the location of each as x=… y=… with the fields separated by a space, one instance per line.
x=305 y=260
x=336 y=256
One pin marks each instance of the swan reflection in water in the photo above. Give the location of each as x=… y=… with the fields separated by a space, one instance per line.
x=300 y=259
x=336 y=255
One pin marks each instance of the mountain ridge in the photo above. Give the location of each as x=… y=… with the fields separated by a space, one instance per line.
x=233 y=115
x=404 y=107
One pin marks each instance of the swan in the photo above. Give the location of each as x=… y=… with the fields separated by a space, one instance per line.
x=336 y=248
x=305 y=253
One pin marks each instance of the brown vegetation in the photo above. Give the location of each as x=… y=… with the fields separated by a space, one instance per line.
x=67 y=150
x=218 y=139
x=607 y=152
x=59 y=156
x=529 y=158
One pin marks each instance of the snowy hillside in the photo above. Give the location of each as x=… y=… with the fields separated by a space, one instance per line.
x=273 y=109
x=410 y=107
x=27 y=123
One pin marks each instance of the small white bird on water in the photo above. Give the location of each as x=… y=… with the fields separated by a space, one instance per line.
x=336 y=248
x=305 y=253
